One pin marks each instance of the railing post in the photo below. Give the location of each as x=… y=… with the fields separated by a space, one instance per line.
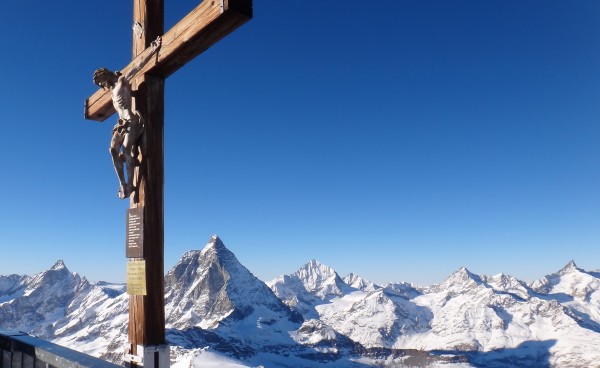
x=17 y=359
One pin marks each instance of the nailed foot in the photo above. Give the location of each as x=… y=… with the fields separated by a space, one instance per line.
x=124 y=192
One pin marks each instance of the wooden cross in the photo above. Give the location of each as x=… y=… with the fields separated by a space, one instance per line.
x=205 y=25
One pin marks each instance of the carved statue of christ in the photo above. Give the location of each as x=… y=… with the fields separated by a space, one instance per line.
x=130 y=126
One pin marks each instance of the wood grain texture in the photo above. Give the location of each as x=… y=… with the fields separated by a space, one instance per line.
x=146 y=312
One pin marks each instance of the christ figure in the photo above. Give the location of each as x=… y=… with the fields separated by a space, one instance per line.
x=130 y=126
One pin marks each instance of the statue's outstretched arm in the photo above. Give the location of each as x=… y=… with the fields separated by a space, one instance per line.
x=154 y=46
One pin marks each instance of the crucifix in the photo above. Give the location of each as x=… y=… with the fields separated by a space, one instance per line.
x=136 y=93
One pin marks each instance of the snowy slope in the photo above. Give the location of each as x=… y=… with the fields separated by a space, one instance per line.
x=212 y=300
x=35 y=303
x=487 y=319
x=359 y=283
x=575 y=289
x=218 y=313
x=313 y=284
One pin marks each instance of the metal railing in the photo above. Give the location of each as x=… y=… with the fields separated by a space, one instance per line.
x=19 y=350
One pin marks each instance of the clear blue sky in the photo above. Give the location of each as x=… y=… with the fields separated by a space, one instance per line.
x=399 y=140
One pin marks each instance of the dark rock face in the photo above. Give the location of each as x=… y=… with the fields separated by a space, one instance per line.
x=208 y=286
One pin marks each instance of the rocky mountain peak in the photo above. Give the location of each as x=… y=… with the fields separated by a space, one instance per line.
x=315 y=268
x=460 y=280
x=463 y=275
x=570 y=280
x=53 y=278
x=59 y=265
x=215 y=242
x=569 y=268
x=215 y=286
x=321 y=280
x=41 y=299
x=359 y=283
x=216 y=249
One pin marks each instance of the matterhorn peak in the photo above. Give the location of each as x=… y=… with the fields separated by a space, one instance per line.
x=207 y=287
x=216 y=247
x=215 y=241
x=213 y=251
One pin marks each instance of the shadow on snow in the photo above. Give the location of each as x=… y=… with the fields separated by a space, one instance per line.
x=527 y=354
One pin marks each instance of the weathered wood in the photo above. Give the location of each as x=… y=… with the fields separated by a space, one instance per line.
x=147 y=315
x=204 y=26
x=146 y=312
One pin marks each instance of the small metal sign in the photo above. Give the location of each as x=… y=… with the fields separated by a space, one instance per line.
x=136 y=277
x=135 y=233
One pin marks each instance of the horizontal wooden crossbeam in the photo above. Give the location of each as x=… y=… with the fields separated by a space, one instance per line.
x=204 y=26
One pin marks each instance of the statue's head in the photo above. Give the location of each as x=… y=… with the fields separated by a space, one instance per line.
x=105 y=78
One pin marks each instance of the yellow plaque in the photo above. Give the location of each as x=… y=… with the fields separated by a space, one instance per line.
x=136 y=277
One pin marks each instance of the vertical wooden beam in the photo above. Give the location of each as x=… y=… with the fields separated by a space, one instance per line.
x=147 y=313
x=149 y=14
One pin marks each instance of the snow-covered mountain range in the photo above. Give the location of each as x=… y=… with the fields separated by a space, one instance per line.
x=216 y=309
